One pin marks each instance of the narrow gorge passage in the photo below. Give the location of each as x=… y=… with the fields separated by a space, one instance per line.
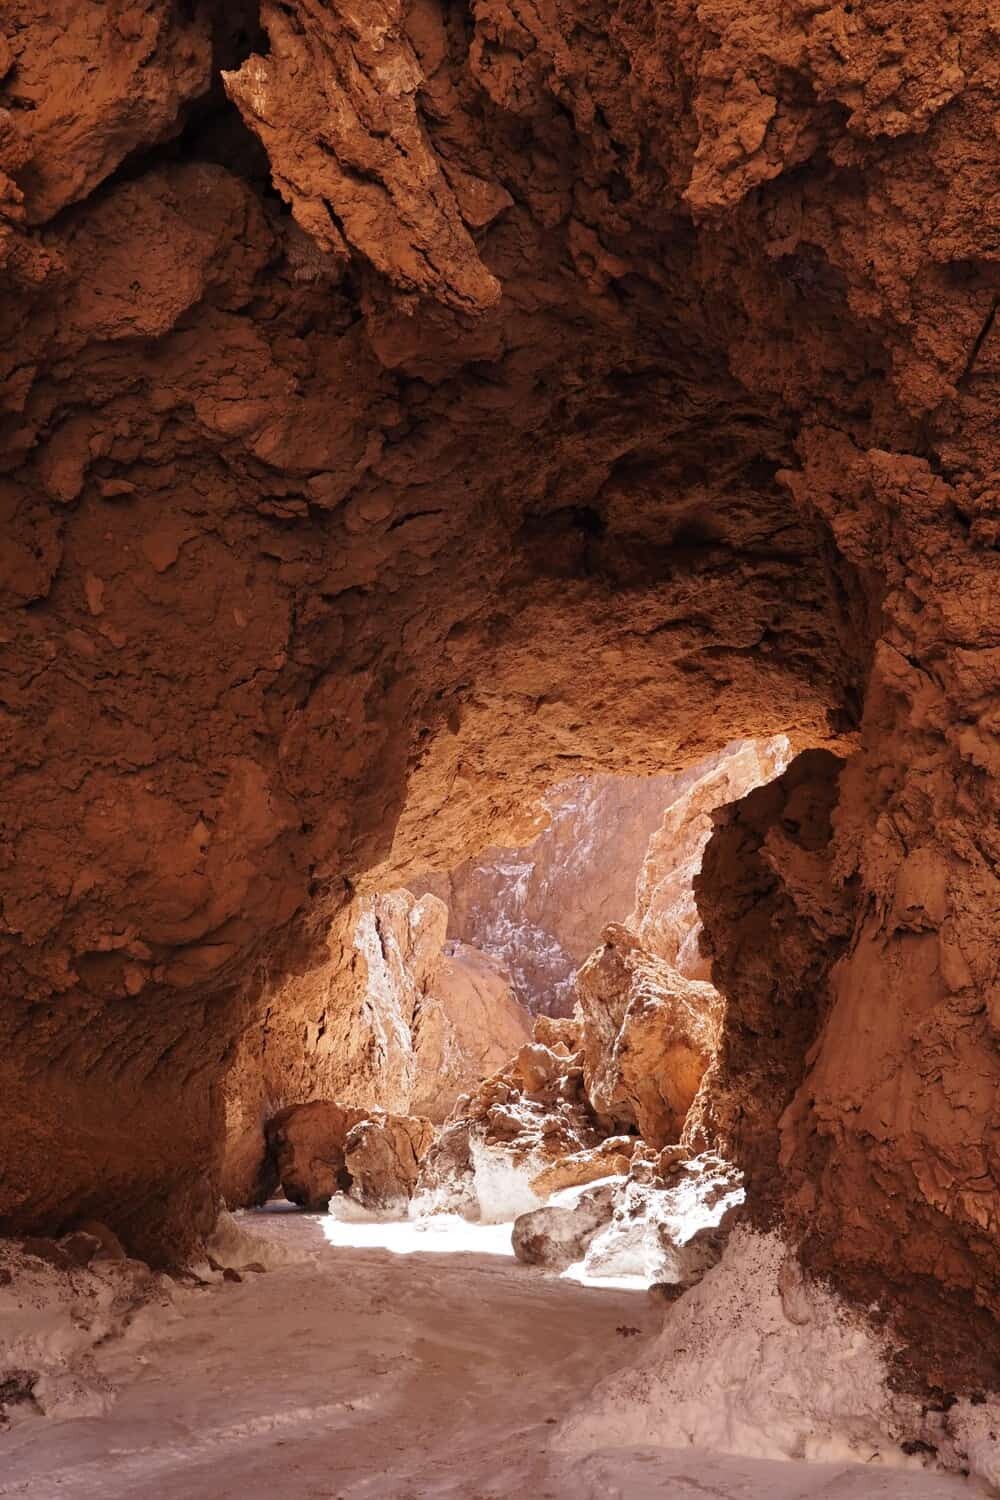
x=500 y=723
x=360 y=1374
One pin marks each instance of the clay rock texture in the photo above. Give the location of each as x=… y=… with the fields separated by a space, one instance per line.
x=648 y=1036
x=461 y=401
x=382 y=1157
x=305 y=1148
x=396 y=1019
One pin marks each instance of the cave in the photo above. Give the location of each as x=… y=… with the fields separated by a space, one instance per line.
x=407 y=410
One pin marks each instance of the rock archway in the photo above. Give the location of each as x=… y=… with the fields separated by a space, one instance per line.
x=405 y=410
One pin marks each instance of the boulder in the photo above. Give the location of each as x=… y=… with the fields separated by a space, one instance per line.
x=306 y=1145
x=558 y=1235
x=382 y=1157
x=648 y=1036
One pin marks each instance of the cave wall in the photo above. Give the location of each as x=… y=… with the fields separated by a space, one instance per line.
x=404 y=409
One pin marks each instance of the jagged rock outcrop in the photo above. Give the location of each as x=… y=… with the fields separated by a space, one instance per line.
x=670 y=1220
x=648 y=1036
x=305 y=1152
x=627 y=384
x=526 y=1130
x=318 y=1149
x=396 y=1019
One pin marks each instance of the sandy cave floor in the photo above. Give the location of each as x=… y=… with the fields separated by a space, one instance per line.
x=361 y=1373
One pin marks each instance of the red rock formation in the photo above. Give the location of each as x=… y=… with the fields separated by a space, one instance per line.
x=648 y=1036
x=394 y=1019
x=664 y=916
x=625 y=383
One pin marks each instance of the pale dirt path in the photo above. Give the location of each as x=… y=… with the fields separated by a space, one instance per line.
x=365 y=1375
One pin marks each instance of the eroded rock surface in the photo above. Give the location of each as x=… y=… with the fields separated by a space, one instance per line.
x=648 y=1036
x=396 y=1019
x=305 y=1152
x=541 y=909
x=382 y=1157
x=590 y=390
x=556 y=1236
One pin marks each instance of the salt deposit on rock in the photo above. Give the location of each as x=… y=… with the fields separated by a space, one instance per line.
x=755 y=1360
x=557 y=1235
x=61 y=1318
x=666 y=1228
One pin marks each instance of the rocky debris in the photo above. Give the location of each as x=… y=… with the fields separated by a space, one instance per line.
x=528 y=1118
x=306 y=1151
x=664 y=1223
x=323 y=1148
x=64 y=1308
x=382 y=1158
x=648 y=1036
x=557 y=1235
x=669 y=1224
x=397 y=1019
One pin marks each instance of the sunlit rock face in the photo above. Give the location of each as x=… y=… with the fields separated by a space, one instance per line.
x=664 y=916
x=616 y=849
x=541 y=909
x=396 y=1019
x=402 y=414
x=648 y=1036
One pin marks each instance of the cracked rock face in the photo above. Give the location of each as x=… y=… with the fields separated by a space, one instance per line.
x=403 y=409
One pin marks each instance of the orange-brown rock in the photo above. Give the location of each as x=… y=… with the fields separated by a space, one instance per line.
x=610 y=1158
x=306 y=1147
x=648 y=1036
x=495 y=1156
x=396 y=1019
x=664 y=915
x=541 y=909
x=382 y=1156
x=484 y=397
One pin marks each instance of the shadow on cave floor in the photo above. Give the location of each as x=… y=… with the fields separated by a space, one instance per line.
x=361 y=1374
